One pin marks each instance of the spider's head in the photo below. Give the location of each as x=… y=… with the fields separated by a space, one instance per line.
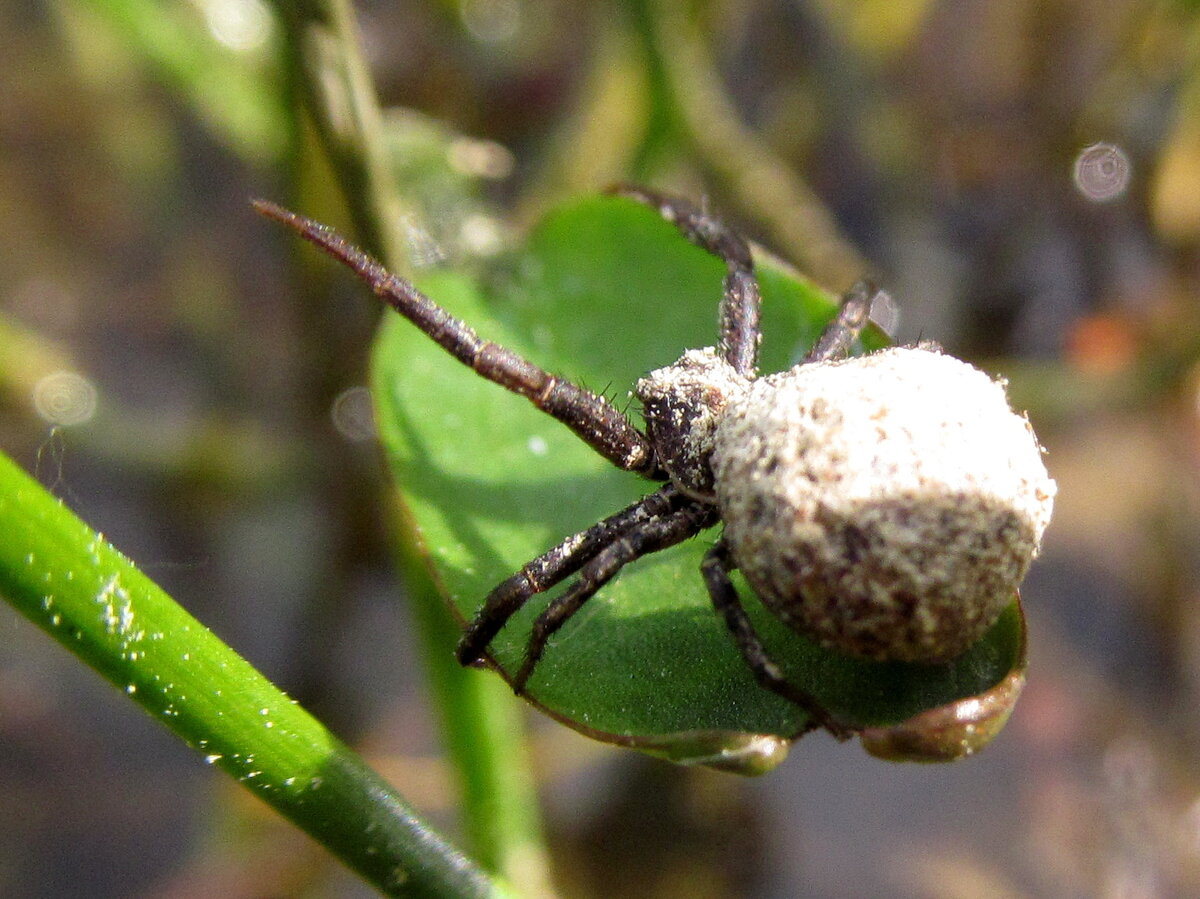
x=682 y=404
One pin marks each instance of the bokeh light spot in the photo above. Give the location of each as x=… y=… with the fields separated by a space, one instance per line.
x=353 y=415
x=65 y=398
x=1102 y=172
x=238 y=24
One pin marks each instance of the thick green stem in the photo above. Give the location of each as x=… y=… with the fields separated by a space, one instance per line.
x=326 y=64
x=75 y=586
x=485 y=737
x=482 y=723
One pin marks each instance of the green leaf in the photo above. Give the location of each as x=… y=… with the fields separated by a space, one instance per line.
x=604 y=292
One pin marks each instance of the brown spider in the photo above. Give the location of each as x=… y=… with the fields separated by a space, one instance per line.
x=916 y=577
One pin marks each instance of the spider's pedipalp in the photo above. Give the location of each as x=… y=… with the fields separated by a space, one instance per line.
x=593 y=418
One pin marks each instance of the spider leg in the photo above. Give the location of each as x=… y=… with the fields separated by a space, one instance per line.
x=644 y=538
x=555 y=565
x=715 y=569
x=852 y=316
x=593 y=418
x=740 y=305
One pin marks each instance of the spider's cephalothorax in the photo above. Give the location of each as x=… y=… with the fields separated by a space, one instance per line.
x=886 y=505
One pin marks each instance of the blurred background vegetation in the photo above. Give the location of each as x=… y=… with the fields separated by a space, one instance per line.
x=1023 y=175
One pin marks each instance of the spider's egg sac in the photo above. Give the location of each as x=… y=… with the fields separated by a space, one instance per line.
x=886 y=505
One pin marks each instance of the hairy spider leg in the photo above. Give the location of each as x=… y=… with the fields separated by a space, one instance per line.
x=852 y=316
x=593 y=418
x=741 y=302
x=643 y=539
x=715 y=569
x=556 y=565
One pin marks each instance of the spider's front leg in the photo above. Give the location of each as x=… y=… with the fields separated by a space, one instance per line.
x=593 y=418
x=715 y=569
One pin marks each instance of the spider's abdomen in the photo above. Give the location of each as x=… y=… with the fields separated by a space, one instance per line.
x=887 y=505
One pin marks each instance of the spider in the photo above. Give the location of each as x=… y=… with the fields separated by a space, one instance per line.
x=724 y=445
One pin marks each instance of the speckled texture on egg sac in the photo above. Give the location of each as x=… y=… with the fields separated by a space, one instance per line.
x=886 y=505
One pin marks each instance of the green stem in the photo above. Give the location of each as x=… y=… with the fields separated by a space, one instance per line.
x=482 y=724
x=485 y=736
x=72 y=584
x=327 y=66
